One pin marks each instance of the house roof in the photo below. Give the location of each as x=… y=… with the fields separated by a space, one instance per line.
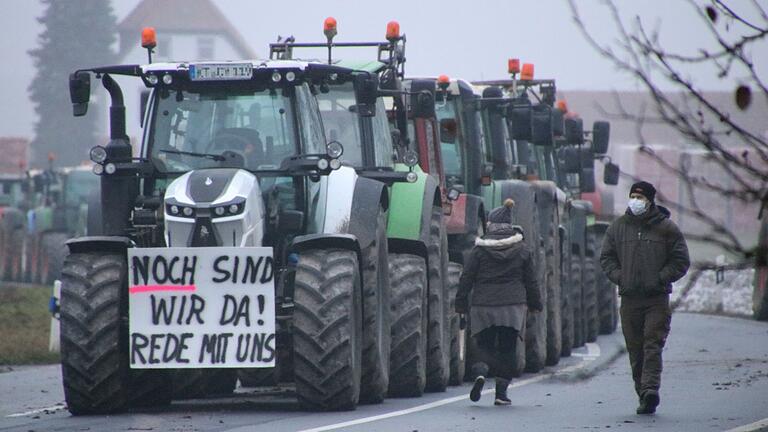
x=179 y=16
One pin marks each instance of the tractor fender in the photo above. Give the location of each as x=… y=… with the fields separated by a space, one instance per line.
x=328 y=241
x=411 y=207
x=368 y=197
x=106 y=244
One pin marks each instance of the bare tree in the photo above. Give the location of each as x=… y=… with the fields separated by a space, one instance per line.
x=693 y=114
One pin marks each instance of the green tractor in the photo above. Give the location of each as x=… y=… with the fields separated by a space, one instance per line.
x=58 y=212
x=12 y=225
x=420 y=335
x=236 y=238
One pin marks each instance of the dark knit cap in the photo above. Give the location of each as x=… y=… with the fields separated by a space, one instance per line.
x=644 y=188
x=502 y=214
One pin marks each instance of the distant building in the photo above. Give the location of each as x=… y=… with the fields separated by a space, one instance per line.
x=187 y=30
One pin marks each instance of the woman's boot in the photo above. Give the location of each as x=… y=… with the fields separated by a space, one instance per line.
x=501 y=392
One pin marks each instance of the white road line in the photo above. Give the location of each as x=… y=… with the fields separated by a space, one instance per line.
x=39 y=410
x=756 y=426
x=441 y=402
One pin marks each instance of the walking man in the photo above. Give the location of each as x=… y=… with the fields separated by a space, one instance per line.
x=500 y=273
x=643 y=253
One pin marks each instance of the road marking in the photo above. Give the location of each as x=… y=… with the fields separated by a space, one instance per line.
x=54 y=408
x=450 y=400
x=756 y=426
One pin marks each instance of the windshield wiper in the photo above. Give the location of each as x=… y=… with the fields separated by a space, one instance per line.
x=217 y=158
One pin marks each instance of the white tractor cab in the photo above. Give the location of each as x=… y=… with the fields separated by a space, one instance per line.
x=234 y=240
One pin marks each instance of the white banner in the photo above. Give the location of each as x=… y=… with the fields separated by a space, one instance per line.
x=211 y=307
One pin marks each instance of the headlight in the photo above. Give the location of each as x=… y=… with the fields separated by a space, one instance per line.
x=322 y=164
x=152 y=79
x=219 y=211
x=110 y=168
x=98 y=169
x=335 y=164
x=234 y=208
x=98 y=154
x=187 y=211
x=290 y=76
x=410 y=158
x=167 y=79
x=411 y=177
x=276 y=77
x=334 y=149
x=174 y=209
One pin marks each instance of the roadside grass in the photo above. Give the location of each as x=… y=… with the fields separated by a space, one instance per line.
x=25 y=325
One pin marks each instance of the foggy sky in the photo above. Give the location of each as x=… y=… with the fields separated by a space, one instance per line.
x=468 y=39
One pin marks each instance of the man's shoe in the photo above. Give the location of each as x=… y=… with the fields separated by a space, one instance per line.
x=477 y=389
x=648 y=402
x=502 y=401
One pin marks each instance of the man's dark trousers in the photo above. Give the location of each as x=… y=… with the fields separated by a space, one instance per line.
x=645 y=322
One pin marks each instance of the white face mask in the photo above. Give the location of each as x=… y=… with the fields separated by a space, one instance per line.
x=637 y=206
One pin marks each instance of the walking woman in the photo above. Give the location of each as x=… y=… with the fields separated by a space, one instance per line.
x=500 y=274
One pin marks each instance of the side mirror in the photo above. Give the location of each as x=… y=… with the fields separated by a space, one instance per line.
x=79 y=92
x=574 y=131
x=423 y=104
x=587 y=180
x=542 y=126
x=601 y=132
x=520 y=116
x=448 y=130
x=366 y=92
x=587 y=158
x=611 y=174
x=558 y=127
x=571 y=161
x=290 y=221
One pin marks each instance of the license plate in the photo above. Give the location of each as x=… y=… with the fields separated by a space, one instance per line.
x=220 y=71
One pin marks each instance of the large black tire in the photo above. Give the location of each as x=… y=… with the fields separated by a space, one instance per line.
x=328 y=330
x=536 y=323
x=52 y=252
x=409 y=305
x=376 y=316
x=458 y=336
x=607 y=296
x=439 y=341
x=590 y=289
x=94 y=340
x=554 y=291
x=201 y=383
x=577 y=287
x=566 y=301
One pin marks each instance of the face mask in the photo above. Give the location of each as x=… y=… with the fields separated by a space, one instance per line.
x=637 y=206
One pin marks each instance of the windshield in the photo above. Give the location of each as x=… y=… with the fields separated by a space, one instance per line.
x=337 y=107
x=193 y=130
x=79 y=185
x=452 y=159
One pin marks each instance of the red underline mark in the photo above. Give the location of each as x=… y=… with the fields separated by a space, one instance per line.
x=154 y=288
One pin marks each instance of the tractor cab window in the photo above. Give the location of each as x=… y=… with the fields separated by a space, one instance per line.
x=453 y=162
x=252 y=129
x=382 y=137
x=78 y=186
x=338 y=109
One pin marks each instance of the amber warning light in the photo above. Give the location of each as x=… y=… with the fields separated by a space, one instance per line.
x=329 y=27
x=513 y=66
x=393 y=30
x=527 y=72
x=148 y=38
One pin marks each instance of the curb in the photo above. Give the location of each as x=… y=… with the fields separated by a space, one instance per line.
x=611 y=348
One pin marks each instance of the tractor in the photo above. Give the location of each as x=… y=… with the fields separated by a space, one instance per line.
x=235 y=238
x=419 y=341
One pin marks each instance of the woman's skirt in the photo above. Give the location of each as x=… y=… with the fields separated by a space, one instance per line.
x=482 y=317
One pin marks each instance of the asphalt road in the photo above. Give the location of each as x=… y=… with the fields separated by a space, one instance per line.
x=715 y=378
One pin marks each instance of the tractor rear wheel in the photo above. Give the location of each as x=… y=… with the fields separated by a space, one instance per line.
x=94 y=340
x=577 y=287
x=328 y=329
x=590 y=289
x=408 y=356
x=376 y=316
x=536 y=323
x=439 y=342
x=458 y=337
x=554 y=292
